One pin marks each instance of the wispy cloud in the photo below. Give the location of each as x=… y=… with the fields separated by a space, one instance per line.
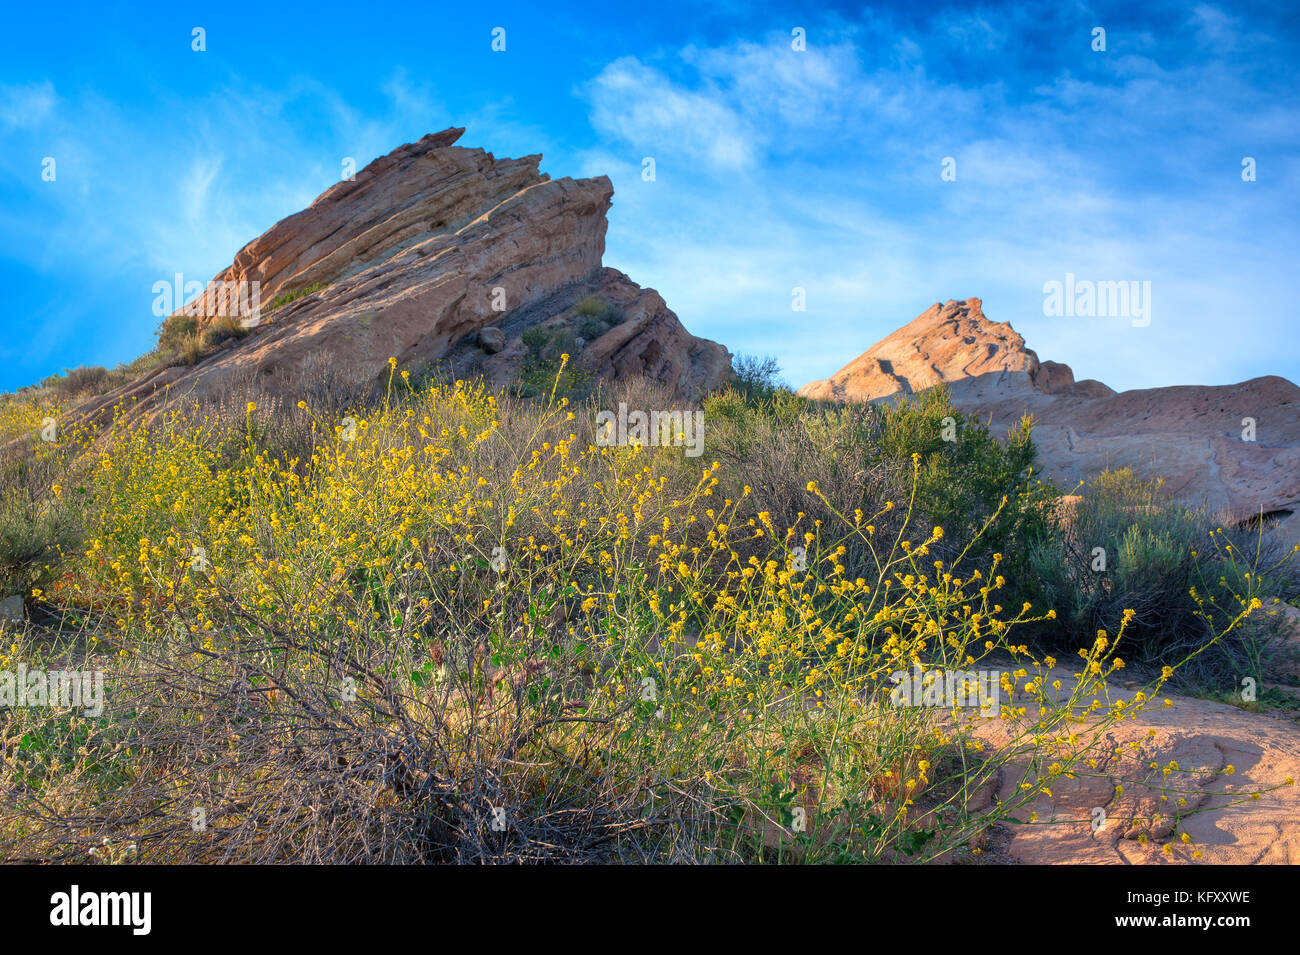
x=132 y=207
x=1114 y=166
x=639 y=104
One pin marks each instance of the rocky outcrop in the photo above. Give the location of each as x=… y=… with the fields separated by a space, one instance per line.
x=436 y=255
x=951 y=344
x=1195 y=437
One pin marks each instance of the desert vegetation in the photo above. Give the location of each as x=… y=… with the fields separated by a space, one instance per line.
x=446 y=625
x=182 y=341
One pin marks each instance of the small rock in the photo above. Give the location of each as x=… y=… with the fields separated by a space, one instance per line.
x=491 y=339
x=579 y=343
x=11 y=609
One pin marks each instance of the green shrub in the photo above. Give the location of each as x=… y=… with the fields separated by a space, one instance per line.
x=1125 y=546
x=284 y=298
x=222 y=330
x=535 y=339
x=592 y=328
x=983 y=491
x=175 y=330
x=756 y=377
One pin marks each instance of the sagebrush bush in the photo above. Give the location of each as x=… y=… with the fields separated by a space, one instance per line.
x=79 y=381
x=1124 y=546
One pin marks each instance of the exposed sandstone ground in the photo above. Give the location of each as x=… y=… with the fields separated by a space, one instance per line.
x=1204 y=739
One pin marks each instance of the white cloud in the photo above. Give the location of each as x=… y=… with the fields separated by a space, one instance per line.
x=642 y=107
x=1119 y=175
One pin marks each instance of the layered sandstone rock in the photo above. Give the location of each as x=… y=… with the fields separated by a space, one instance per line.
x=1192 y=436
x=946 y=343
x=436 y=255
x=951 y=344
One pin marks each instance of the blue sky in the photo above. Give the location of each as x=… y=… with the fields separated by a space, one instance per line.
x=775 y=168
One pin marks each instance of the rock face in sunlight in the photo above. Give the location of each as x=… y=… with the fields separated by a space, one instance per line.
x=438 y=255
x=953 y=344
x=1234 y=448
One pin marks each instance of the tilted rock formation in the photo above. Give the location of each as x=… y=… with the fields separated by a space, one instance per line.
x=426 y=248
x=1192 y=436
